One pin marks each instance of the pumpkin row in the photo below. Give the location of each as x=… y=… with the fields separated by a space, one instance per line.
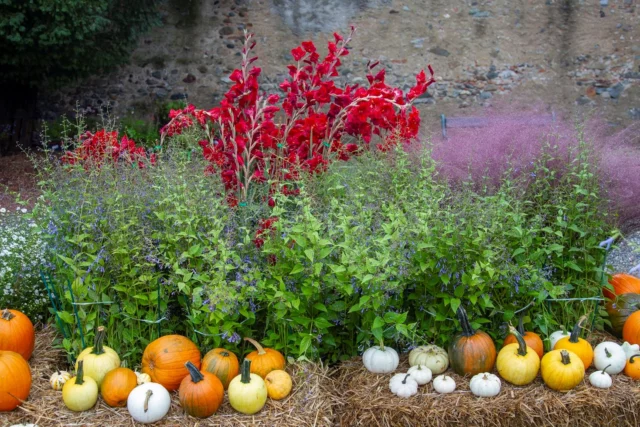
x=519 y=361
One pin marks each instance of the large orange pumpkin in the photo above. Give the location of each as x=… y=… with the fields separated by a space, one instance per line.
x=15 y=380
x=532 y=339
x=622 y=284
x=223 y=364
x=631 y=329
x=164 y=360
x=116 y=386
x=201 y=393
x=16 y=333
x=264 y=360
x=577 y=345
x=471 y=352
x=619 y=311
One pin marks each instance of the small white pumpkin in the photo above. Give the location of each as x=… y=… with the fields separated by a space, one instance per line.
x=609 y=354
x=444 y=384
x=431 y=356
x=485 y=384
x=557 y=336
x=143 y=378
x=58 y=379
x=148 y=403
x=421 y=374
x=380 y=359
x=600 y=379
x=403 y=385
x=630 y=350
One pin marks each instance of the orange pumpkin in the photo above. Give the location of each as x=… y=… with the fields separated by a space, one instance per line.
x=471 y=352
x=279 y=384
x=531 y=339
x=622 y=284
x=15 y=380
x=16 y=333
x=116 y=386
x=577 y=345
x=632 y=368
x=164 y=360
x=264 y=360
x=201 y=393
x=223 y=364
x=631 y=329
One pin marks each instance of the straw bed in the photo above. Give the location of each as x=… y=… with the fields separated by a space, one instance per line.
x=311 y=402
x=367 y=401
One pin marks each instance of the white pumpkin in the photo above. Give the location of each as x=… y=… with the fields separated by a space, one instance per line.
x=557 y=336
x=600 y=379
x=485 y=385
x=58 y=379
x=630 y=350
x=611 y=355
x=380 y=359
x=403 y=385
x=431 y=356
x=421 y=374
x=148 y=403
x=444 y=384
x=142 y=378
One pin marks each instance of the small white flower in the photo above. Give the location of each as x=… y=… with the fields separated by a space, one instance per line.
x=23 y=210
x=3 y=210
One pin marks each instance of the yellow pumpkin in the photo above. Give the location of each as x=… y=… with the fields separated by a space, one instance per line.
x=279 y=384
x=518 y=363
x=577 y=345
x=99 y=359
x=247 y=392
x=561 y=370
x=80 y=393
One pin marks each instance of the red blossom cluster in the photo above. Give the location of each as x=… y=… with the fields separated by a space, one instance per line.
x=96 y=148
x=321 y=122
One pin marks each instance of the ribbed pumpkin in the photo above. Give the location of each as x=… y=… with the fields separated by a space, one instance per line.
x=577 y=345
x=15 y=380
x=223 y=364
x=471 y=352
x=201 y=393
x=518 y=363
x=561 y=370
x=532 y=339
x=264 y=360
x=16 y=333
x=622 y=284
x=619 y=310
x=632 y=368
x=117 y=385
x=99 y=359
x=631 y=329
x=164 y=360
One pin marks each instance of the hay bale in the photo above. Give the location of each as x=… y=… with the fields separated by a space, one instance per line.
x=311 y=402
x=367 y=401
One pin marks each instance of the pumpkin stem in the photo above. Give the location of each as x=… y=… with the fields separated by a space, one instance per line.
x=404 y=381
x=224 y=353
x=606 y=352
x=467 y=330
x=381 y=344
x=7 y=315
x=257 y=345
x=80 y=373
x=97 y=344
x=146 y=400
x=246 y=371
x=196 y=375
x=520 y=325
x=631 y=358
x=566 y=359
x=522 y=345
x=605 y=368
x=575 y=333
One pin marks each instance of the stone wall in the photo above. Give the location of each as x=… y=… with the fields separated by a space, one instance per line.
x=568 y=55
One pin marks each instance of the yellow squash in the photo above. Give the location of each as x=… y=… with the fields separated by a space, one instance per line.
x=561 y=370
x=518 y=363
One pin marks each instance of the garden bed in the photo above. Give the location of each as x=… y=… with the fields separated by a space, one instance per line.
x=311 y=402
x=367 y=401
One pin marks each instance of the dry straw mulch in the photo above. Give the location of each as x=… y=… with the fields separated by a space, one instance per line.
x=311 y=402
x=367 y=401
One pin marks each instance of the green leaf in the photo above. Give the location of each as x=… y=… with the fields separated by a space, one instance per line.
x=378 y=323
x=455 y=303
x=309 y=254
x=305 y=343
x=297 y=269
